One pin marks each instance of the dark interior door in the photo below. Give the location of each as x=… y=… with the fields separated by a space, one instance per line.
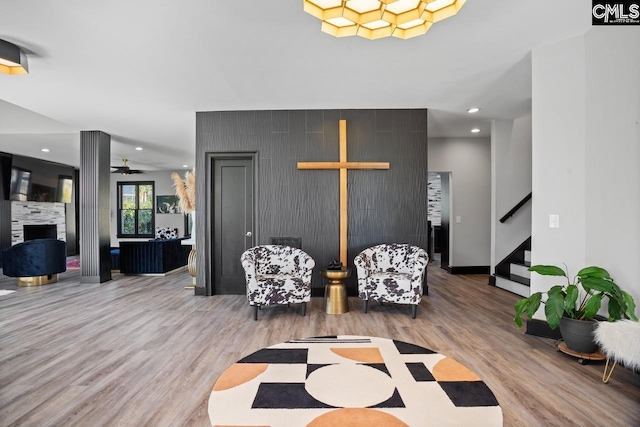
x=233 y=222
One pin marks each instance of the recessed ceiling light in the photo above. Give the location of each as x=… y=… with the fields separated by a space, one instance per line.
x=473 y=110
x=45 y=150
x=475 y=130
x=139 y=148
x=185 y=166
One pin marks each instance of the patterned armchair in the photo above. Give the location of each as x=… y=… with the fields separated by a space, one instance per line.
x=391 y=273
x=277 y=275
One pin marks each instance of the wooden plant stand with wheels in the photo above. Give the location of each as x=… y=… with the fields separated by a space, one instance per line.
x=583 y=358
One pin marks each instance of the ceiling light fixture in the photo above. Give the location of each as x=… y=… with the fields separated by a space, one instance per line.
x=374 y=19
x=185 y=166
x=12 y=59
x=475 y=130
x=473 y=110
x=45 y=150
x=138 y=148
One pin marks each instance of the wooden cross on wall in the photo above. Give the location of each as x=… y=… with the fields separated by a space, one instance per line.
x=343 y=165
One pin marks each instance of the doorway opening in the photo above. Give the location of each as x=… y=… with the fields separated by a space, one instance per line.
x=439 y=216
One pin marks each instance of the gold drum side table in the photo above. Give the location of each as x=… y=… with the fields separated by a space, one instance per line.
x=335 y=293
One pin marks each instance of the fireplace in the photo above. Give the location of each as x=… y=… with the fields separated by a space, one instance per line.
x=32 y=232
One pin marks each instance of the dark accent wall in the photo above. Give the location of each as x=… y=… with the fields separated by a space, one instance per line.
x=70 y=218
x=5 y=226
x=5 y=204
x=76 y=201
x=384 y=205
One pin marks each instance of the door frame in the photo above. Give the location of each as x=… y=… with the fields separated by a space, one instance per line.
x=447 y=238
x=211 y=157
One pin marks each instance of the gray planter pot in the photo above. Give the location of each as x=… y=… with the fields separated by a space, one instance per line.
x=578 y=334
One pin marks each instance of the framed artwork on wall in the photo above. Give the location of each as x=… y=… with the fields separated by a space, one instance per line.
x=167 y=205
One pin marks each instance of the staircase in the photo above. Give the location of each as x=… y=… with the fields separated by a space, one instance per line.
x=512 y=273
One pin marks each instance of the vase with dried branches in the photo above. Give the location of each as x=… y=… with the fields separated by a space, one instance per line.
x=186 y=192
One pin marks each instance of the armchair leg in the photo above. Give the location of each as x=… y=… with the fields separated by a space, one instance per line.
x=255 y=312
x=365 y=305
x=414 y=311
x=426 y=289
x=304 y=308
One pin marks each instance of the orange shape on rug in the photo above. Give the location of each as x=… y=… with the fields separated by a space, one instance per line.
x=450 y=370
x=239 y=373
x=365 y=355
x=356 y=417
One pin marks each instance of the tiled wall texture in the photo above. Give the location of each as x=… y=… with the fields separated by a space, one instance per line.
x=434 y=191
x=36 y=213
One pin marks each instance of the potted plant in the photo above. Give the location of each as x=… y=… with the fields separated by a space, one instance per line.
x=576 y=304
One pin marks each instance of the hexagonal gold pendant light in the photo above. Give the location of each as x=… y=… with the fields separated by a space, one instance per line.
x=12 y=59
x=374 y=19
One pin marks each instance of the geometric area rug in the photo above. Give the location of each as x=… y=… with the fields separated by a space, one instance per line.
x=73 y=264
x=350 y=381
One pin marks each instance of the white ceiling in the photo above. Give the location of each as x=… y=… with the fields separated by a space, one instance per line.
x=139 y=70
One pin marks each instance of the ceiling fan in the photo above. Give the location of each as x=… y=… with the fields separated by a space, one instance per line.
x=124 y=169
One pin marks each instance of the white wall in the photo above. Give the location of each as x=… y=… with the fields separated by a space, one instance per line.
x=613 y=154
x=586 y=154
x=510 y=183
x=469 y=161
x=163 y=187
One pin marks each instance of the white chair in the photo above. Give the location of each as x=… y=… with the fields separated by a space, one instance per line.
x=620 y=341
x=277 y=275
x=391 y=273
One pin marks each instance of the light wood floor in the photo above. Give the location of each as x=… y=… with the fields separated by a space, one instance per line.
x=144 y=351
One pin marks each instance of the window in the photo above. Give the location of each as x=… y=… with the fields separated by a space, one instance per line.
x=135 y=209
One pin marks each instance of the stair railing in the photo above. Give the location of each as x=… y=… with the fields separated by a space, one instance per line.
x=516 y=207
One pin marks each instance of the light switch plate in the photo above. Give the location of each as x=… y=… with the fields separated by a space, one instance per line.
x=554 y=221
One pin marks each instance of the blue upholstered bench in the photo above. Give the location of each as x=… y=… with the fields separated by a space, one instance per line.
x=115 y=258
x=153 y=257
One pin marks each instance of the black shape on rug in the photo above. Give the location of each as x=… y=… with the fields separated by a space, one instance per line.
x=285 y=396
x=277 y=355
x=469 y=393
x=420 y=372
x=406 y=348
x=395 y=401
x=379 y=366
x=312 y=367
x=330 y=339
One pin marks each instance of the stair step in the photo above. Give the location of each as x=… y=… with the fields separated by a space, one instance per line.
x=520 y=279
x=511 y=286
x=527 y=257
x=520 y=270
x=515 y=278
